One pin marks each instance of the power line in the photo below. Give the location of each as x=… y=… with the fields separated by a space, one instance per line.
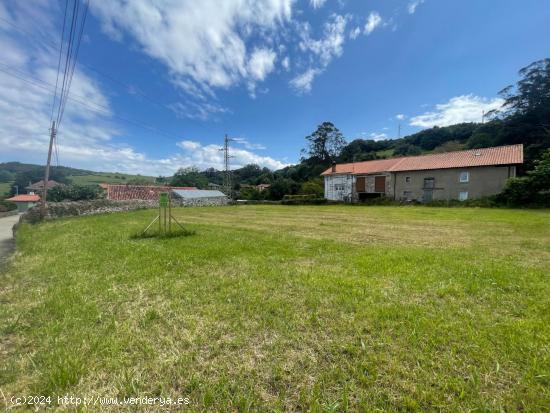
x=131 y=90
x=98 y=108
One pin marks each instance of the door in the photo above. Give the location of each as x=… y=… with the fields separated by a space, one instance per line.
x=360 y=184
x=380 y=184
x=428 y=195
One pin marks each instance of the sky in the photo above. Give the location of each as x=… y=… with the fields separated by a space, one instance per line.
x=159 y=83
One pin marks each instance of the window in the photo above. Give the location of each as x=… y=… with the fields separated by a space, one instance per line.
x=429 y=183
x=408 y=179
x=407 y=195
x=464 y=176
x=338 y=187
x=463 y=196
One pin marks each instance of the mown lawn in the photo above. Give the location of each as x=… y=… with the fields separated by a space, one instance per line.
x=274 y=308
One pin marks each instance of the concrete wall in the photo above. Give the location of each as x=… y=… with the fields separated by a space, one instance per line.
x=333 y=183
x=483 y=181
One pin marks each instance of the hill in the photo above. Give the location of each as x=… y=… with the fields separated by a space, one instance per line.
x=20 y=174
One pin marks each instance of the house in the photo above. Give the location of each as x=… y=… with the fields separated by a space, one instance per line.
x=461 y=175
x=25 y=201
x=260 y=187
x=38 y=187
x=200 y=196
x=138 y=192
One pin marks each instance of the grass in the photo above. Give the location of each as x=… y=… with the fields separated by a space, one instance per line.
x=4 y=188
x=286 y=308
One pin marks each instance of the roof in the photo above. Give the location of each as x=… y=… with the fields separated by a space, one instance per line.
x=24 y=198
x=138 y=192
x=499 y=155
x=198 y=193
x=40 y=184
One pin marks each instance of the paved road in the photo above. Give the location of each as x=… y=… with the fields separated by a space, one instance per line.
x=6 y=235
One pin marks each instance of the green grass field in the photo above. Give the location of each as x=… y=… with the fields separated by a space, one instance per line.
x=4 y=187
x=106 y=177
x=286 y=308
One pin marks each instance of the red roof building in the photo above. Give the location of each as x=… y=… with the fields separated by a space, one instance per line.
x=461 y=175
x=138 y=192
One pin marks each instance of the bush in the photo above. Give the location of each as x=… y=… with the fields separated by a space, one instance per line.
x=6 y=206
x=75 y=193
x=530 y=190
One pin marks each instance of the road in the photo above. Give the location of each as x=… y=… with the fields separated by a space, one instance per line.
x=6 y=235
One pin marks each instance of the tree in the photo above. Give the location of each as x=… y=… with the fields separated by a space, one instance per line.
x=190 y=176
x=282 y=187
x=325 y=143
x=314 y=187
x=533 y=189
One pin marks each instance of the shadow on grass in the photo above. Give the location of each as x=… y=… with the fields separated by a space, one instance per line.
x=163 y=235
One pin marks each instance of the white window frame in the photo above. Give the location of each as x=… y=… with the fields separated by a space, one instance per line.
x=467 y=177
x=463 y=196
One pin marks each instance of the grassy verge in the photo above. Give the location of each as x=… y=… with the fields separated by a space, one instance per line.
x=281 y=308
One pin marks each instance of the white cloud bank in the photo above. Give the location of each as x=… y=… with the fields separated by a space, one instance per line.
x=88 y=137
x=413 y=4
x=465 y=108
x=373 y=21
x=204 y=41
x=325 y=49
x=204 y=156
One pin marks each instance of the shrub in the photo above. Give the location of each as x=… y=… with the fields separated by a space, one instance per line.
x=304 y=201
x=530 y=190
x=6 y=206
x=75 y=193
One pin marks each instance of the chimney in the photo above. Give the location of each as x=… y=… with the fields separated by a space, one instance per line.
x=333 y=166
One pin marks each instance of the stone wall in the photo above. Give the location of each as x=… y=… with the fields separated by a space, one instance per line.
x=101 y=206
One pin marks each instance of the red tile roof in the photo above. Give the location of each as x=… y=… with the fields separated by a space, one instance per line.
x=141 y=192
x=24 y=198
x=499 y=155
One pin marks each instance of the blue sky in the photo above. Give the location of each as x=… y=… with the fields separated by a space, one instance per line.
x=158 y=84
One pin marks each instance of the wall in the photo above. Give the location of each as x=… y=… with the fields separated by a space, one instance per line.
x=347 y=180
x=100 y=206
x=484 y=181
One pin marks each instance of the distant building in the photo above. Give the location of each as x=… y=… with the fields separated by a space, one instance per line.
x=204 y=196
x=137 y=192
x=24 y=201
x=260 y=187
x=38 y=187
x=460 y=175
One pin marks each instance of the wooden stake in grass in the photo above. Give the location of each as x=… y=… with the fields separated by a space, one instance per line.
x=164 y=216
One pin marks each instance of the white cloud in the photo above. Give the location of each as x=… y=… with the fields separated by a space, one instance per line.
x=198 y=110
x=205 y=156
x=303 y=82
x=286 y=63
x=88 y=137
x=413 y=4
x=465 y=108
x=378 y=136
x=205 y=41
x=400 y=116
x=248 y=145
x=354 y=34
x=316 y=4
x=261 y=63
x=373 y=21
x=325 y=49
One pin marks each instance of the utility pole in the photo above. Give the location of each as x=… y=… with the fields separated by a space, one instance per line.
x=47 y=173
x=482 y=116
x=227 y=185
x=398 y=131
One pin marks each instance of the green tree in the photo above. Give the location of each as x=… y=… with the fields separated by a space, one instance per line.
x=325 y=143
x=75 y=193
x=190 y=176
x=532 y=189
x=313 y=187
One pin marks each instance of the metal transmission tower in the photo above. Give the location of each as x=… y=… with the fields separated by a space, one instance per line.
x=227 y=185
